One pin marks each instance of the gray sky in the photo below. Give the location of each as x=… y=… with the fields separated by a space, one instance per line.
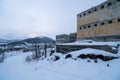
x=31 y=18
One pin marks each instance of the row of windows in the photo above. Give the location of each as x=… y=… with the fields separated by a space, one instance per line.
x=96 y=9
x=97 y=23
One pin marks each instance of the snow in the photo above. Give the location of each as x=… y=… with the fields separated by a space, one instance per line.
x=92 y=43
x=92 y=51
x=15 y=67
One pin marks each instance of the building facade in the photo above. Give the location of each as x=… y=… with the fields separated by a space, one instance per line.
x=101 y=22
x=65 y=38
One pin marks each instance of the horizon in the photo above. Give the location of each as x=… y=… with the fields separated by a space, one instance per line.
x=22 y=19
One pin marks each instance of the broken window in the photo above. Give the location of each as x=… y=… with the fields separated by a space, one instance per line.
x=84 y=27
x=109 y=4
x=110 y=22
x=80 y=28
x=89 y=26
x=102 y=6
x=102 y=23
x=80 y=16
x=89 y=11
x=118 y=20
x=95 y=9
x=95 y=25
x=84 y=14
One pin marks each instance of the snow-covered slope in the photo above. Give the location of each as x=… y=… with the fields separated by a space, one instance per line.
x=40 y=39
x=16 y=68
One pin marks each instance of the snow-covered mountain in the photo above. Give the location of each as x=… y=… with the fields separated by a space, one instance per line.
x=3 y=41
x=8 y=41
x=40 y=39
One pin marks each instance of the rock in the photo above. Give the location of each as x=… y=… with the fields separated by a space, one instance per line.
x=83 y=56
x=100 y=56
x=56 y=58
x=108 y=65
x=88 y=60
x=95 y=60
x=91 y=56
x=68 y=56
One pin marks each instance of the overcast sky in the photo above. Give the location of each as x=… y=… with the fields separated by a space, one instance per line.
x=31 y=18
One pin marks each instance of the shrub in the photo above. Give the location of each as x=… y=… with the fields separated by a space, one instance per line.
x=100 y=56
x=91 y=56
x=83 y=56
x=68 y=56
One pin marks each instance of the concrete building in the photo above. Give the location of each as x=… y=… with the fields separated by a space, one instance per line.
x=65 y=38
x=101 y=22
x=73 y=37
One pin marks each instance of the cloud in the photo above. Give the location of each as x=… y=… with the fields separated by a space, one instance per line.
x=30 y=18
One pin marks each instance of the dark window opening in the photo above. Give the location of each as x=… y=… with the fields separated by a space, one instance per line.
x=89 y=12
x=84 y=27
x=119 y=20
x=80 y=16
x=95 y=9
x=110 y=22
x=89 y=26
x=109 y=4
x=102 y=6
x=84 y=14
x=102 y=23
x=80 y=28
x=95 y=25
x=118 y=0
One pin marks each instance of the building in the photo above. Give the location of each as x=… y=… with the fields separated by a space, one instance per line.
x=101 y=22
x=73 y=37
x=65 y=38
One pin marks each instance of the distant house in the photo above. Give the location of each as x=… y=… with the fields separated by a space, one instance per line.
x=65 y=38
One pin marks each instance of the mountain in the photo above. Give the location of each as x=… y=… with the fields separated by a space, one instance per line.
x=7 y=41
x=40 y=39
x=3 y=41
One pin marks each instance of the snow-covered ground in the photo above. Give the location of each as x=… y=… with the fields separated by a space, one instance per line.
x=90 y=43
x=16 y=68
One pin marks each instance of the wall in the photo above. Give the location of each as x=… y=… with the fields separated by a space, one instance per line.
x=97 y=15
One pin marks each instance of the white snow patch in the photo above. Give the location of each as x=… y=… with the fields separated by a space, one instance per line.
x=16 y=68
x=92 y=51
x=93 y=43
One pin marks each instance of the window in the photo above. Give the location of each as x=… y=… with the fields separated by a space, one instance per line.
x=102 y=23
x=110 y=22
x=80 y=28
x=109 y=4
x=102 y=6
x=89 y=11
x=84 y=14
x=118 y=20
x=84 y=27
x=118 y=0
x=95 y=25
x=89 y=26
x=95 y=9
x=80 y=16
